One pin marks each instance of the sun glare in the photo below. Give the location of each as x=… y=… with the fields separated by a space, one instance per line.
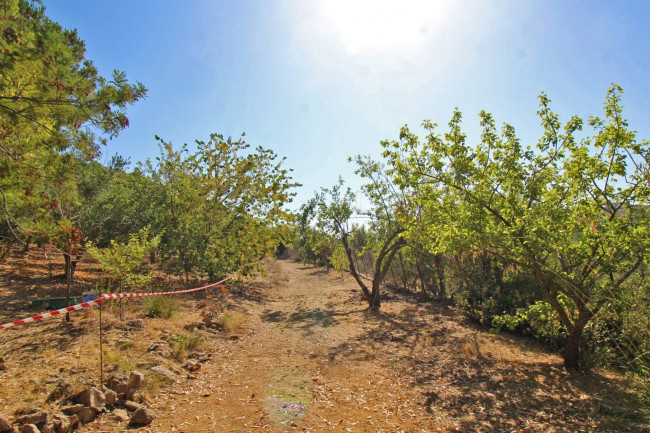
x=383 y=25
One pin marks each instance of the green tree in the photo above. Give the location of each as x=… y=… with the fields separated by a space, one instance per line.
x=220 y=207
x=573 y=212
x=333 y=208
x=55 y=112
x=122 y=260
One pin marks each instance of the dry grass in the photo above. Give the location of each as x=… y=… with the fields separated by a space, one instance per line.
x=233 y=322
x=416 y=366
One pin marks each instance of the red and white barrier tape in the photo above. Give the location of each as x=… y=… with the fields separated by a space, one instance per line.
x=110 y=296
x=52 y=313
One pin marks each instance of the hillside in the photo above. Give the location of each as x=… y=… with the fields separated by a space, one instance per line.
x=304 y=354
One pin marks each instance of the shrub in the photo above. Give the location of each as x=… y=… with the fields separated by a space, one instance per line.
x=185 y=343
x=233 y=322
x=161 y=306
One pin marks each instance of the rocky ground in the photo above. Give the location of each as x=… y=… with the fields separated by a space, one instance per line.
x=295 y=350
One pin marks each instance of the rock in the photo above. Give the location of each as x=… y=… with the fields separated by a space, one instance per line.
x=71 y=410
x=110 y=397
x=29 y=428
x=134 y=395
x=92 y=398
x=191 y=365
x=60 y=424
x=132 y=406
x=200 y=356
x=74 y=422
x=142 y=416
x=161 y=349
x=116 y=384
x=213 y=320
x=164 y=372
x=87 y=414
x=136 y=380
x=33 y=418
x=62 y=390
x=120 y=415
x=136 y=324
x=4 y=425
x=192 y=326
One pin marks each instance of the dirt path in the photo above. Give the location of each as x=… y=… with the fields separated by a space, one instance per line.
x=316 y=360
x=299 y=367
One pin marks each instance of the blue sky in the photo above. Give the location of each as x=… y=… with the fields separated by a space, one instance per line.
x=318 y=81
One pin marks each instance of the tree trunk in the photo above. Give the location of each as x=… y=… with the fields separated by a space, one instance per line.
x=405 y=278
x=69 y=266
x=423 y=285
x=440 y=273
x=571 y=353
x=353 y=270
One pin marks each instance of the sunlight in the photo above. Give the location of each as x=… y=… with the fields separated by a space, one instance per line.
x=383 y=25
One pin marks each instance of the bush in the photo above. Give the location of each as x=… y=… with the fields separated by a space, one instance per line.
x=482 y=288
x=161 y=306
x=184 y=344
x=538 y=319
x=233 y=322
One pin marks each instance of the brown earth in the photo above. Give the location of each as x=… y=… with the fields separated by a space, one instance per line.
x=311 y=357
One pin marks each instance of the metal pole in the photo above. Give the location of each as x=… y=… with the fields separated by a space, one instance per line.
x=101 y=348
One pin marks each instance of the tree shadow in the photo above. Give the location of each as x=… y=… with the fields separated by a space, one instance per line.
x=484 y=382
x=303 y=319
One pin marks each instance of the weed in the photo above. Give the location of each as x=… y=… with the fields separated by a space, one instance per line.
x=160 y=306
x=154 y=381
x=184 y=344
x=233 y=322
x=120 y=358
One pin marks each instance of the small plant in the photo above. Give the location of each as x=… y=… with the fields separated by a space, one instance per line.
x=180 y=347
x=161 y=306
x=122 y=261
x=185 y=344
x=233 y=322
x=121 y=358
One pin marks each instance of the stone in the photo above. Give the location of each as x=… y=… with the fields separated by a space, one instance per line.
x=131 y=405
x=4 y=425
x=110 y=397
x=116 y=384
x=63 y=425
x=164 y=372
x=191 y=365
x=136 y=380
x=29 y=428
x=120 y=415
x=212 y=320
x=161 y=349
x=60 y=424
x=136 y=324
x=92 y=398
x=74 y=422
x=62 y=390
x=71 y=410
x=142 y=416
x=33 y=418
x=200 y=356
x=138 y=397
x=87 y=414
x=135 y=395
